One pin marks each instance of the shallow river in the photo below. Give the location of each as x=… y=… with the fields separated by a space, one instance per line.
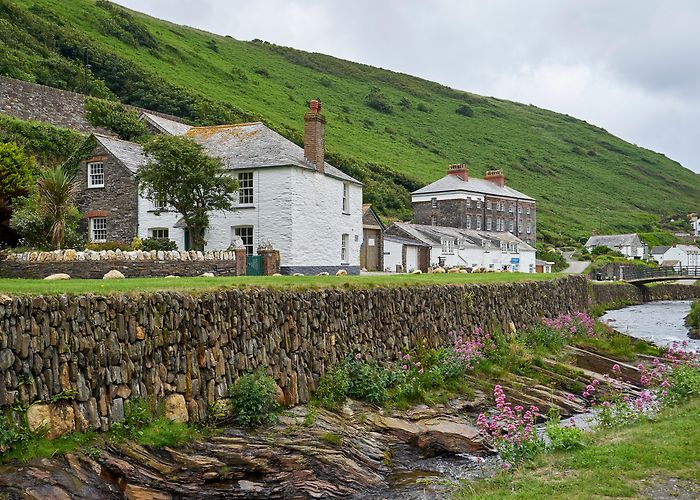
x=660 y=322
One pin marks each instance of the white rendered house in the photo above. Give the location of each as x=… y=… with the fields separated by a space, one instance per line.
x=289 y=196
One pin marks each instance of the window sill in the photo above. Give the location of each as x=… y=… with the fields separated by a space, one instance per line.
x=244 y=207
x=96 y=187
x=346 y=213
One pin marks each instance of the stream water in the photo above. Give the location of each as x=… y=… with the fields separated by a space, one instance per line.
x=659 y=322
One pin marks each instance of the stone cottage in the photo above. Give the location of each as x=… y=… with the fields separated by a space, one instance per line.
x=289 y=196
x=458 y=200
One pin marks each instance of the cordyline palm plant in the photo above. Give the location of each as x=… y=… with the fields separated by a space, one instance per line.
x=56 y=194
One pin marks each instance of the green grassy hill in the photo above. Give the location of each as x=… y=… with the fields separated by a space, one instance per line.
x=401 y=137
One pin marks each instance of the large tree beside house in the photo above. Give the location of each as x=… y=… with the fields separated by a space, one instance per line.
x=180 y=175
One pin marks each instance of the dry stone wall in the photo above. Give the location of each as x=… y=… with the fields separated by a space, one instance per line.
x=132 y=264
x=616 y=294
x=110 y=348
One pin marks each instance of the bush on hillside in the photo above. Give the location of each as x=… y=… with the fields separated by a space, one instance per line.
x=116 y=117
x=378 y=101
x=465 y=110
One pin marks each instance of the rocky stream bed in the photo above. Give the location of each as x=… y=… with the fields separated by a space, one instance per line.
x=360 y=451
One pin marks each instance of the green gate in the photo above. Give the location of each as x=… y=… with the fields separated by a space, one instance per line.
x=254 y=265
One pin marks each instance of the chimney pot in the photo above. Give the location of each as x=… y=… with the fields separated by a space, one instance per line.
x=460 y=170
x=496 y=176
x=314 y=135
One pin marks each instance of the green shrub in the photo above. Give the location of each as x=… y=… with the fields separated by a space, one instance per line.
x=116 y=117
x=465 y=110
x=109 y=245
x=563 y=437
x=16 y=171
x=366 y=382
x=149 y=244
x=12 y=433
x=693 y=318
x=253 y=400
x=544 y=337
x=34 y=229
x=137 y=415
x=683 y=385
x=378 y=101
x=333 y=388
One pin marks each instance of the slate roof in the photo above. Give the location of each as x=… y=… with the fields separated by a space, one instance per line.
x=659 y=250
x=253 y=145
x=166 y=125
x=432 y=235
x=473 y=185
x=612 y=240
x=130 y=154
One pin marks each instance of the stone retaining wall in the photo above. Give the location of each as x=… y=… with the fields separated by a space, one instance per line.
x=92 y=264
x=616 y=294
x=109 y=348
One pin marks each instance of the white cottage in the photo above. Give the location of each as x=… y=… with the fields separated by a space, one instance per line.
x=677 y=256
x=289 y=196
x=419 y=244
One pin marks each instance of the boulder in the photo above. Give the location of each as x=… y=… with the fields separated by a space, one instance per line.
x=55 y=419
x=58 y=276
x=113 y=275
x=206 y=275
x=323 y=273
x=176 y=408
x=341 y=272
x=7 y=359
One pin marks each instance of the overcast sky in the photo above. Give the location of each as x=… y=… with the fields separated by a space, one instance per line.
x=629 y=66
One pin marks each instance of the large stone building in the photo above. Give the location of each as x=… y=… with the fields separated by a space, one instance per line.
x=289 y=196
x=487 y=204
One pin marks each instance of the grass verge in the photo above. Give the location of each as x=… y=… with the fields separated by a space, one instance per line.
x=197 y=284
x=618 y=463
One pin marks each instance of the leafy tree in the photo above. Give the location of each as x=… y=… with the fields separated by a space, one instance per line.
x=15 y=171
x=181 y=175
x=34 y=228
x=56 y=197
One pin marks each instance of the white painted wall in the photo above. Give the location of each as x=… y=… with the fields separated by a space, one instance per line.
x=412 y=255
x=319 y=221
x=392 y=254
x=299 y=211
x=492 y=258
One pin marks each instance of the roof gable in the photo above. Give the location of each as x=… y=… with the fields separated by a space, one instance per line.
x=129 y=154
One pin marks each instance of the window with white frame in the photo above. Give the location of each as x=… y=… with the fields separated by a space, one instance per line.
x=469 y=201
x=159 y=202
x=504 y=246
x=520 y=210
x=478 y=223
x=433 y=220
x=469 y=222
x=488 y=204
x=159 y=233
x=344 y=251
x=511 y=226
x=245 y=233
x=448 y=246
x=485 y=243
x=512 y=208
x=245 y=189
x=488 y=223
x=98 y=229
x=529 y=228
x=96 y=174
x=433 y=202
x=528 y=211
x=478 y=203
x=346 y=197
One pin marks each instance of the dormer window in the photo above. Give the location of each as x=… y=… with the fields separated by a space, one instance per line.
x=96 y=175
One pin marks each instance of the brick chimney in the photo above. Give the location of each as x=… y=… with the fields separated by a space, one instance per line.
x=314 y=135
x=496 y=176
x=459 y=170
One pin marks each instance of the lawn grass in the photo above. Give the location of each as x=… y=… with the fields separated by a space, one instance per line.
x=550 y=156
x=200 y=284
x=618 y=463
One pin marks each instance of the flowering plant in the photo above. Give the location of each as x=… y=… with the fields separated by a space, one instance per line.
x=570 y=325
x=512 y=429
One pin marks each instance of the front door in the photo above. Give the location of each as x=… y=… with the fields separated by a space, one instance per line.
x=370 y=250
x=254 y=265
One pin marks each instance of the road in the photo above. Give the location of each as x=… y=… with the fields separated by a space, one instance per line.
x=575 y=266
